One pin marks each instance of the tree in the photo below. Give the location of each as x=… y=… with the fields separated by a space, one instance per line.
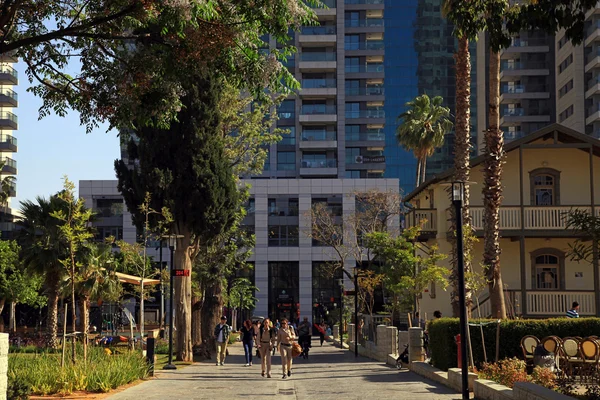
x=125 y=61
x=368 y=283
x=241 y=295
x=587 y=227
x=186 y=171
x=73 y=226
x=42 y=248
x=16 y=284
x=423 y=129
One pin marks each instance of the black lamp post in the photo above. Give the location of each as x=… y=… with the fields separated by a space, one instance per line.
x=172 y=241
x=161 y=310
x=458 y=192
x=356 y=323
x=341 y=283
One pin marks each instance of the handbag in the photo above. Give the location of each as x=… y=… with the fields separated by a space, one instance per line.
x=296 y=349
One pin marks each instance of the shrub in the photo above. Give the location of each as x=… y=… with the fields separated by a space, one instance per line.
x=505 y=372
x=102 y=372
x=443 y=331
x=17 y=390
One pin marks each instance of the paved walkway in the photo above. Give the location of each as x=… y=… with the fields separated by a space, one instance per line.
x=329 y=373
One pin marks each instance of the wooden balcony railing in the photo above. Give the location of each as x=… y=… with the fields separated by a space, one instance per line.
x=427 y=217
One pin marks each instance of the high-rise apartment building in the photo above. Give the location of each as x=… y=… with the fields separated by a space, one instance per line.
x=8 y=124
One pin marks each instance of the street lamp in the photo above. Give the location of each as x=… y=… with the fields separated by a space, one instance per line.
x=458 y=192
x=172 y=242
x=161 y=316
x=356 y=323
x=341 y=330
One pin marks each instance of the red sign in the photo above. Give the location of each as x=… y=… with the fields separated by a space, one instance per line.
x=180 y=272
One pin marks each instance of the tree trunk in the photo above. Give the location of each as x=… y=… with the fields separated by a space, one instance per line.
x=424 y=173
x=462 y=153
x=142 y=307
x=73 y=315
x=2 y=303
x=183 y=302
x=85 y=322
x=492 y=192
x=196 y=318
x=52 y=318
x=211 y=310
x=418 y=172
x=12 y=323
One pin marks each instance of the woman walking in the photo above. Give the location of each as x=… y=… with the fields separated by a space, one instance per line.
x=266 y=342
x=248 y=334
x=285 y=338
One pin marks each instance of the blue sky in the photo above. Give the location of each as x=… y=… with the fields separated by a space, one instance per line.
x=55 y=146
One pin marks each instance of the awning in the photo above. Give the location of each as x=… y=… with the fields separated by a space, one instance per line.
x=135 y=280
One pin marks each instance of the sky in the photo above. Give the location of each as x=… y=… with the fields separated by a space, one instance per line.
x=53 y=147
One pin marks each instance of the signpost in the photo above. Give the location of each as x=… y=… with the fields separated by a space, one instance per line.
x=180 y=272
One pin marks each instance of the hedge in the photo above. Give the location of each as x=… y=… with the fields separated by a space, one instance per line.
x=442 y=346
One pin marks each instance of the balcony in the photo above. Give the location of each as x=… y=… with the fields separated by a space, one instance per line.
x=327 y=13
x=364 y=23
x=592 y=87
x=319 y=88
x=365 y=114
x=426 y=218
x=8 y=98
x=592 y=60
x=593 y=114
x=8 y=75
x=525 y=45
x=517 y=116
x=510 y=71
x=317 y=36
x=371 y=93
x=318 y=113
x=8 y=120
x=317 y=62
x=364 y=1
x=557 y=303
x=593 y=33
x=516 y=93
x=8 y=143
x=367 y=68
x=364 y=4
x=10 y=166
x=509 y=136
x=366 y=138
x=318 y=140
x=318 y=167
x=376 y=45
x=546 y=218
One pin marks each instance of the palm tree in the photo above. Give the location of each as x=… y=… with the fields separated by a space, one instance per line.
x=42 y=250
x=423 y=128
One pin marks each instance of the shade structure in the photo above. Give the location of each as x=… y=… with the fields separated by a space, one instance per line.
x=135 y=280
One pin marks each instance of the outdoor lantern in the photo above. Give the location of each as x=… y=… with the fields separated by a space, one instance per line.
x=458 y=191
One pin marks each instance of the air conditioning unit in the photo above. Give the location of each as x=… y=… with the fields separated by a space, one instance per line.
x=358 y=159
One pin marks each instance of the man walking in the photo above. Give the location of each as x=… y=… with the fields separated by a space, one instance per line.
x=574 y=311
x=304 y=336
x=222 y=337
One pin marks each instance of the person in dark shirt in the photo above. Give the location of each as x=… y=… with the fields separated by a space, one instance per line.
x=248 y=334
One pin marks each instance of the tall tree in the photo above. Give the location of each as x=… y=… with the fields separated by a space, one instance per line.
x=42 y=248
x=186 y=171
x=423 y=129
x=124 y=61
x=74 y=219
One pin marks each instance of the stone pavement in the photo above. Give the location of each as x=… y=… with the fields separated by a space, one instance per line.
x=329 y=373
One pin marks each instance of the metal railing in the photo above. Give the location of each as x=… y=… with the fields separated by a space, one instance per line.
x=5 y=69
x=318 y=30
x=8 y=139
x=363 y=1
x=365 y=136
x=368 y=45
x=513 y=135
x=318 y=135
x=370 y=67
x=366 y=91
x=365 y=114
x=318 y=109
x=9 y=93
x=521 y=65
x=517 y=89
x=9 y=162
x=524 y=42
x=318 y=56
x=8 y=115
x=361 y=23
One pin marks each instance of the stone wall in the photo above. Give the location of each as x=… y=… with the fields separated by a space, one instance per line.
x=386 y=344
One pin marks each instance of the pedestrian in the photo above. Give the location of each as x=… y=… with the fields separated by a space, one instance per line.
x=277 y=324
x=574 y=311
x=222 y=337
x=304 y=336
x=266 y=342
x=285 y=338
x=322 y=330
x=248 y=334
x=275 y=330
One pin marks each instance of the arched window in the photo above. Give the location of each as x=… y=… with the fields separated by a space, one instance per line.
x=545 y=187
x=547 y=267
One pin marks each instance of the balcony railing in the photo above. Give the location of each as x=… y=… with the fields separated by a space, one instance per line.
x=524 y=42
x=426 y=217
x=318 y=83
x=366 y=91
x=330 y=163
x=536 y=217
x=9 y=162
x=360 y=23
x=317 y=109
x=5 y=69
x=520 y=112
x=519 y=65
x=318 y=136
x=370 y=67
x=365 y=114
x=10 y=116
x=283 y=211
x=595 y=26
x=365 y=136
x=368 y=45
x=513 y=135
x=593 y=109
x=329 y=3
x=318 y=56
x=590 y=57
x=9 y=93
x=318 y=30
x=363 y=1
x=517 y=89
x=8 y=139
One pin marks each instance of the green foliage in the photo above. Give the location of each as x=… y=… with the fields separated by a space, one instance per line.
x=584 y=225
x=16 y=284
x=17 y=391
x=43 y=375
x=124 y=61
x=511 y=370
x=242 y=294
x=442 y=332
x=407 y=270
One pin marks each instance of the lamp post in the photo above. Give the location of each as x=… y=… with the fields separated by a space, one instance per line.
x=458 y=191
x=161 y=311
x=356 y=323
x=341 y=283
x=172 y=241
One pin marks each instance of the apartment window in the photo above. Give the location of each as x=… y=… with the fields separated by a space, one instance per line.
x=565 y=63
x=352 y=132
x=352 y=110
x=548 y=272
x=288 y=138
x=104 y=232
x=545 y=187
x=352 y=18
x=565 y=114
x=353 y=155
x=352 y=174
x=283 y=236
x=267 y=164
x=109 y=207
x=352 y=87
x=563 y=40
x=565 y=89
x=286 y=160
x=352 y=64
x=352 y=42
x=286 y=109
